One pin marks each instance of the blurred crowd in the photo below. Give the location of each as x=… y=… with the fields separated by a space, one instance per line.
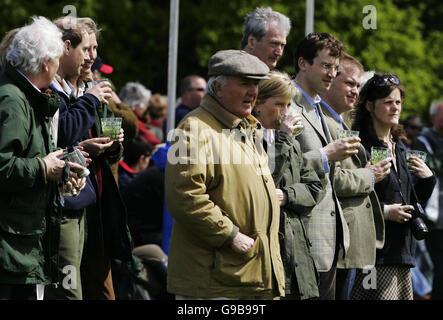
x=100 y=202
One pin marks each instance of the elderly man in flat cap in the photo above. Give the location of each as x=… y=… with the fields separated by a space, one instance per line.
x=224 y=242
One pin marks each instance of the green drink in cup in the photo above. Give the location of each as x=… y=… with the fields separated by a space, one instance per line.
x=347 y=133
x=379 y=153
x=415 y=153
x=111 y=127
x=296 y=131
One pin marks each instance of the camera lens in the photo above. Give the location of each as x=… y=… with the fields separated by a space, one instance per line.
x=419 y=228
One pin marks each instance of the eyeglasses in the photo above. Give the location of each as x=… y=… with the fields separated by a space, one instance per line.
x=414 y=127
x=380 y=81
x=197 y=89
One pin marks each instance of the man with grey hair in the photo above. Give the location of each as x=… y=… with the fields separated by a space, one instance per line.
x=224 y=242
x=264 y=35
x=137 y=96
x=30 y=169
x=431 y=141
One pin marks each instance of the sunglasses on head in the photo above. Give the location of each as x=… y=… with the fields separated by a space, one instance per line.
x=382 y=80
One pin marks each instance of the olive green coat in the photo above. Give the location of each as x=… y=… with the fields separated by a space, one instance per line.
x=293 y=174
x=218 y=182
x=29 y=211
x=359 y=202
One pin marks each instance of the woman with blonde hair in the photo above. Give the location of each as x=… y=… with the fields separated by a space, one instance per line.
x=299 y=187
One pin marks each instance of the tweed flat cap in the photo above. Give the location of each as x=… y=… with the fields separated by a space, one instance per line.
x=237 y=63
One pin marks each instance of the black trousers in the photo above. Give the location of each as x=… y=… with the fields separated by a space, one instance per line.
x=434 y=244
x=18 y=292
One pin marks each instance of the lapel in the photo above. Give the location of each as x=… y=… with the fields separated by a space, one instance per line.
x=309 y=114
x=331 y=122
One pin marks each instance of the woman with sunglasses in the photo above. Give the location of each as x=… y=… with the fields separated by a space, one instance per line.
x=377 y=116
x=299 y=187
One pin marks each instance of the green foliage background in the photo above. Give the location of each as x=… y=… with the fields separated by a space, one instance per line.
x=135 y=36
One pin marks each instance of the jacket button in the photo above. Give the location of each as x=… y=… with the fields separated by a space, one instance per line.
x=332 y=213
x=368 y=205
x=266 y=179
x=220 y=223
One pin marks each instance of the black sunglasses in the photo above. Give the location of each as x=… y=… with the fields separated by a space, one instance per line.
x=197 y=89
x=382 y=80
x=414 y=127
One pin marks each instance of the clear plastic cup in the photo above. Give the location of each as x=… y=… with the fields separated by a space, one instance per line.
x=415 y=153
x=90 y=84
x=379 y=153
x=111 y=127
x=347 y=133
x=296 y=131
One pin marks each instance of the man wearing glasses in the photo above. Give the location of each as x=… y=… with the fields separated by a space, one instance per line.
x=193 y=88
x=317 y=59
x=413 y=127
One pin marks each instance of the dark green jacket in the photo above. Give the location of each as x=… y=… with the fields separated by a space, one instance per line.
x=107 y=231
x=293 y=174
x=29 y=211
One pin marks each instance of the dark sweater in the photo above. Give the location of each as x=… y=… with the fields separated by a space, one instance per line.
x=143 y=198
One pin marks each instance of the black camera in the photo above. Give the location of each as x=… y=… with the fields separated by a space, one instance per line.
x=418 y=226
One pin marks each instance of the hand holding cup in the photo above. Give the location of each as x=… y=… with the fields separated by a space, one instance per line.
x=291 y=122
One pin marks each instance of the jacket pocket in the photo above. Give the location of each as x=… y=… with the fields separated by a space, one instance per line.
x=348 y=214
x=20 y=253
x=22 y=223
x=239 y=270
